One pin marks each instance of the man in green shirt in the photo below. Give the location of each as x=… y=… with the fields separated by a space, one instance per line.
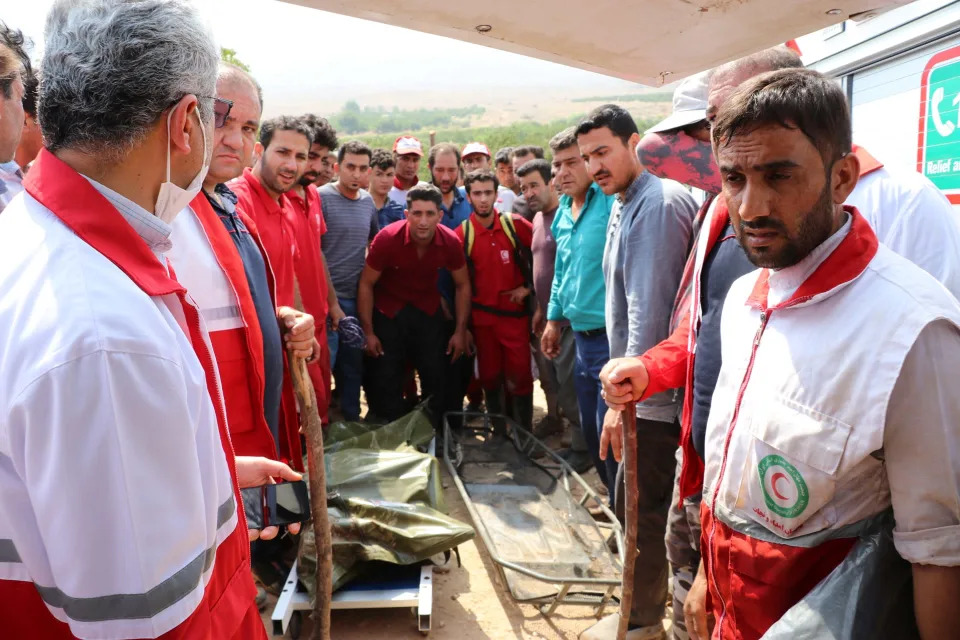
x=578 y=294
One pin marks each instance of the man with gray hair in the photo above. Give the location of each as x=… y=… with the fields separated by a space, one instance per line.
x=14 y=72
x=118 y=484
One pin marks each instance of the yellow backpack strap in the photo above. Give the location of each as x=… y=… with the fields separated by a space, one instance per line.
x=506 y=221
x=467 y=230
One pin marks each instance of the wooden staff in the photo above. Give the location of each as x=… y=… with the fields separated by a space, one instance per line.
x=631 y=498
x=312 y=429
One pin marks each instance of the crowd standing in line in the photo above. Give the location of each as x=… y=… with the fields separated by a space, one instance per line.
x=164 y=253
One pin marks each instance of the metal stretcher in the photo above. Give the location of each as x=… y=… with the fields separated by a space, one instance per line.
x=547 y=547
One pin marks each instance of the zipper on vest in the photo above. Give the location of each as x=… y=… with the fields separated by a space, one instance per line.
x=764 y=319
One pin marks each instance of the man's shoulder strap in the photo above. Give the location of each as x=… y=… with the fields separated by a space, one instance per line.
x=467 y=229
x=506 y=221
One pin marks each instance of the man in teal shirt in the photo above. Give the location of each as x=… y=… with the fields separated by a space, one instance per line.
x=579 y=293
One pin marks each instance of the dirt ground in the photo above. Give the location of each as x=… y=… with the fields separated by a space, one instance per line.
x=469 y=602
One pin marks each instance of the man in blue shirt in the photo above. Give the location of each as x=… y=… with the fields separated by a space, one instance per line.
x=575 y=314
x=383 y=172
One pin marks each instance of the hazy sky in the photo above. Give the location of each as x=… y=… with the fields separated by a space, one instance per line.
x=301 y=54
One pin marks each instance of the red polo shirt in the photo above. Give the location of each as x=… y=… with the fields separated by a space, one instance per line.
x=276 y=234
x=305 y=218
x=407 y=278
x=495 y=271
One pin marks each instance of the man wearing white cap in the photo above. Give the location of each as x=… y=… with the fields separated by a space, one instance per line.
x=407 y=152
x=475 y=156
x=678 y=147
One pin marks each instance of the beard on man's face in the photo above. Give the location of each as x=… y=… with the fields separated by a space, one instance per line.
x=815 y=227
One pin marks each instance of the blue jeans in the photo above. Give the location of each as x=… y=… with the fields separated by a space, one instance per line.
x=347 y=366
x=593 y=352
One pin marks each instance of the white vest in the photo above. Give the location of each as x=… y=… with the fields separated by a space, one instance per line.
x=800 y=405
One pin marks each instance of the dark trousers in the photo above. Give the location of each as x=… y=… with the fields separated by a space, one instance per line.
x=656 y=467
x=410 y=336
x=456 y=377
x=593 y=352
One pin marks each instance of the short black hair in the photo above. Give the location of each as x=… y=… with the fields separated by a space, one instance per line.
x=792 y=98
x=443 y=147
x=611 y=116
x=540 y=165
x=355 y=147
x=382 y=159
x=503 y=156
x=480 y=175
x=425 y=192
x=323 y=132
x=283 y=123
x=526 y=150
x=17 y=43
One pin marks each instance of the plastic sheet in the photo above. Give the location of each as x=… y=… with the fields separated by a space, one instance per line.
x=868 y=597
x=386 y=500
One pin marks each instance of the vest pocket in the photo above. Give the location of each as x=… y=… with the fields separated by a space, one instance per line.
x=792 y=457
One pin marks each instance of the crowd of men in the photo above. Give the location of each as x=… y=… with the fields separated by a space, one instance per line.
x=786 y=334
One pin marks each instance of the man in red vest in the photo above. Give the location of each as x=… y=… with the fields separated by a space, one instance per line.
x=228 y=274
x=119 y=511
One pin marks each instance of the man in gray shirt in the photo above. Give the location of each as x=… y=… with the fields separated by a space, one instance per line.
x=648 y=238
x=351 y=218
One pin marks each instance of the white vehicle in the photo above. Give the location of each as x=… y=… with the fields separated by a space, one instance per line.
x=901 y=71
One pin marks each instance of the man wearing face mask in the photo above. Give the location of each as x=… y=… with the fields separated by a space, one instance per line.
x=107 y=376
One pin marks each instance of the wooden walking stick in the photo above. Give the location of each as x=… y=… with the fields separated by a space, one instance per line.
x=631 y=498
x=313 y=432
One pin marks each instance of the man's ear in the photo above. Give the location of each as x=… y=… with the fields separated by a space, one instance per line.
x=844 y=175
x=183 y=124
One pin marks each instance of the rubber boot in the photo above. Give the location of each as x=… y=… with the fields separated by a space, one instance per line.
x=494 y=402
x=523 y=411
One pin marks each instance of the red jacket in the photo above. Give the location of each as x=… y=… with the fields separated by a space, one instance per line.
x=239 y=352
x=305 y=218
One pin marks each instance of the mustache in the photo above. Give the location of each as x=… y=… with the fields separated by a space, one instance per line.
x=763 y=224
x=601 y=174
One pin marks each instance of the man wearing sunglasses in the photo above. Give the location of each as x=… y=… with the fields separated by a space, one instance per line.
x=220 y=261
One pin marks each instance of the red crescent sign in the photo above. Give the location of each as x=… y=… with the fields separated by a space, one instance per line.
x=773 y=483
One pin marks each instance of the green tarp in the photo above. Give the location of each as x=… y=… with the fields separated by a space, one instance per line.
x=386 y=500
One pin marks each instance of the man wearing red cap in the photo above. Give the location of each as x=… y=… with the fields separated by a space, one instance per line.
x=407 y=152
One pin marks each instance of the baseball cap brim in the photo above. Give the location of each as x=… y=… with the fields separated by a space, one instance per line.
x=407 y=152
x=678 y=119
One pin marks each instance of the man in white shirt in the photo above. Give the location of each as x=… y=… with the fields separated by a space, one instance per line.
x=118 y=484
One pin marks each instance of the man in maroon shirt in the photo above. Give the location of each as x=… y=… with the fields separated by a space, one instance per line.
x=399 y=303
x=498 y=249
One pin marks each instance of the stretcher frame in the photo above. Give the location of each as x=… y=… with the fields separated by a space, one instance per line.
x=572 y=590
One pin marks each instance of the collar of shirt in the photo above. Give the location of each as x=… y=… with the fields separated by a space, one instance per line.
x=784 y=282
x=271 y=205
x=566 y=202
x=154 y=231
x=631 y=192
x=11 y=169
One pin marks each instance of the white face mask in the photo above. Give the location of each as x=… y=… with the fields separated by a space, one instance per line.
x=173 y=199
